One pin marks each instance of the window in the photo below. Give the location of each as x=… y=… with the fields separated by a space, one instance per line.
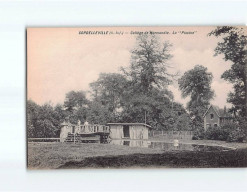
x=215 y=125
x=126 y=143
x=126 y=131
x=211 y=116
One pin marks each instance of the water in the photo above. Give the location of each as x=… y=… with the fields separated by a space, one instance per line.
x=165 y=146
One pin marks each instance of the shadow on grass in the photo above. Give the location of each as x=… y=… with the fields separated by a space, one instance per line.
x=186 y=159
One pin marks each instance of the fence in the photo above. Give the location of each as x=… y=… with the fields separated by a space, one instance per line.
x=172 y=134
x=43 y=139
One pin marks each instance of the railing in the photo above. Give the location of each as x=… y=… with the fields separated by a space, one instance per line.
x=90 y=129
x=172 y=134
x=43 y=139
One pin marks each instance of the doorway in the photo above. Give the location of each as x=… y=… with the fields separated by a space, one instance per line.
x=126 y=131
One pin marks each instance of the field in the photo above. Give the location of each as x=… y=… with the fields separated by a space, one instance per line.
x=68 y=155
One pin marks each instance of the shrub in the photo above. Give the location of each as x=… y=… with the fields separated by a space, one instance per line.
x=221 y=133
x=236 y=136
x=216 y=133
x=239 y=134
x=198 y=134
x=231 y=132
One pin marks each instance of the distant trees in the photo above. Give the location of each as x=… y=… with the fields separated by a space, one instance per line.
x=42 y=121
x=108 y=91
x=75 y=105
x=196 y=83
x=234 y=49
x=139 y=94
x=75 y=100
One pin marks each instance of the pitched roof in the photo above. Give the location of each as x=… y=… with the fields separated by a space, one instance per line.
x=129 y=124
x=219 y=111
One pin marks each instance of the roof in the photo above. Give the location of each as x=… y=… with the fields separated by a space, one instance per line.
x=222 y=113
x=64 y=123
x=129 y=124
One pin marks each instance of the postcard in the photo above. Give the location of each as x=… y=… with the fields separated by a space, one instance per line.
x=136 y=97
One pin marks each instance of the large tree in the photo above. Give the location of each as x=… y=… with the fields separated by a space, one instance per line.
x=76 y=105
x=109 y=89
x=196 y=83
x=75 y=100
x=234 y=48
x=108 y=92
x=147 y=95
x=149 y=63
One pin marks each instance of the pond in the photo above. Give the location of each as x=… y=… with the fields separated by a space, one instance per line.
x=167 y=146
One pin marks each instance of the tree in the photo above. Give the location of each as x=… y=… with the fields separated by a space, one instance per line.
x=76 y=105
x=32 y=116
x=234 y=48
x=98 y=114
x=149 y=63
x=75 y=100
x=147 y=96
x=108 y=90
x=41 y=121
x=196 y=83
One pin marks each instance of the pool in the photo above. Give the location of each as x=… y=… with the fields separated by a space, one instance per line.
x=167 y=146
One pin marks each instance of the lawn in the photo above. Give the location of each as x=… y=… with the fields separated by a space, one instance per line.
x=204 y=142
x=50 y=155
x=68 y=155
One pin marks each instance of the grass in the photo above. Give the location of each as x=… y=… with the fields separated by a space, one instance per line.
x=188 y=159
x=69 y=155
x=205 y=142
x=52 y=155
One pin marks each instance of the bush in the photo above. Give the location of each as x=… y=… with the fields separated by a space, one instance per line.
x=231 y=132
x=198 y=134
x=237 y=136
x=218 y=133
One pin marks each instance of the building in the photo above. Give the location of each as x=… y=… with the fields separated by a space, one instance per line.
x=129 y=130
x=71 y=132
x=214 y=117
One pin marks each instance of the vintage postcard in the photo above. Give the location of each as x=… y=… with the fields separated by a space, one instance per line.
x=136 y=97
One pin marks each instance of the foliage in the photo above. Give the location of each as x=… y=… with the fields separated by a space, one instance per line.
x=234 y=49
x=231 y=132
x=108 y=91
x=199 y=133
x=42 y=121
x=75 y=100
x=98 y=114
x=140 y=94
x=147 y=98
x=149 y=63
x=218 y=133
x=240 y=134
x=196 y=83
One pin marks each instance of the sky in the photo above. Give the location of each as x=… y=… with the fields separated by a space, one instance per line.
x=61 y=59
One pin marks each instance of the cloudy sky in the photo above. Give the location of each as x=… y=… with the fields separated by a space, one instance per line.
x=60 y=59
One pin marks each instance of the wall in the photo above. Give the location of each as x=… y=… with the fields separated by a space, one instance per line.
x=116 y=131
x=208 y=120
x=64 y=132
x=136 y=132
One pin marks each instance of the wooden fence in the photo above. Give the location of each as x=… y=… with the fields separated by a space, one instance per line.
x=172 y=134
x=43 y=139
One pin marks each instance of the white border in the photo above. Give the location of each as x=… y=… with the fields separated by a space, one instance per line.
x=15 y=16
